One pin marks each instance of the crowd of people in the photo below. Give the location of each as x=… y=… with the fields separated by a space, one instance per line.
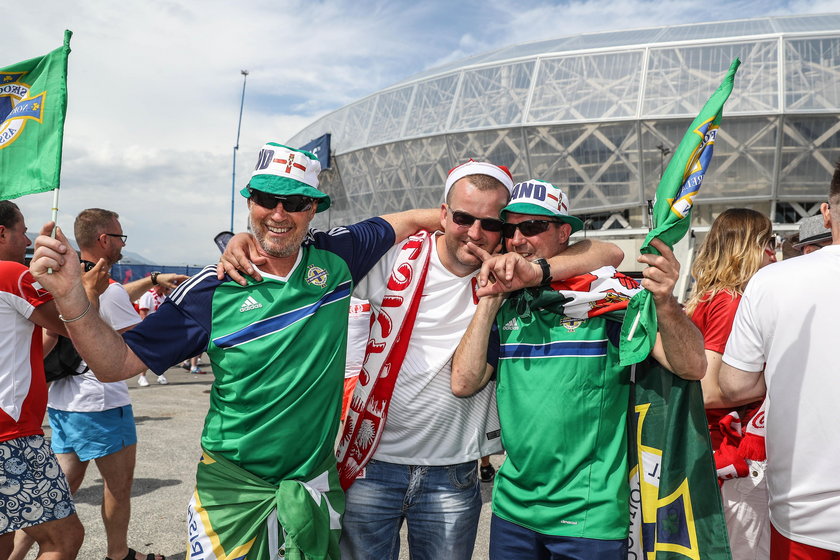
x=449 y=362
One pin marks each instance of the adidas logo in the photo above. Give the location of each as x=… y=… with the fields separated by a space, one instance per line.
x=249 y=304
x=511 y=325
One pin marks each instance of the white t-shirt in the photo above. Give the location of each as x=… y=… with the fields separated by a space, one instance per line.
x=85 y=393
x=358 y=331
x=789 y=318
x=427 y=424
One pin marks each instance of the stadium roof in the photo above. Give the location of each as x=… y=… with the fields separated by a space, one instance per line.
x=691 y=32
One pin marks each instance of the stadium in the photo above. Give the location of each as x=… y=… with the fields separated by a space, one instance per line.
x=599 y=114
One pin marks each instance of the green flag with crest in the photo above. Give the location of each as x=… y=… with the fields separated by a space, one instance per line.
x=33 y=104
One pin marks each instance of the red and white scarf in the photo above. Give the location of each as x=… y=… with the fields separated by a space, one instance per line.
x=389 y=336
x=739 y=445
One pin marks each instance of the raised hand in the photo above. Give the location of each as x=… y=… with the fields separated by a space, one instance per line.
x=55 y=265
x=502 y=273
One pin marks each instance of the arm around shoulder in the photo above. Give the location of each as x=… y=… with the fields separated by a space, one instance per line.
x=585 y=256
x=411 y=221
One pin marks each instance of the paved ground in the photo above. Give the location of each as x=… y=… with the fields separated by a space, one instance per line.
x=169 y=421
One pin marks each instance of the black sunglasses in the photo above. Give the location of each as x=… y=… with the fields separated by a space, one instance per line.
x=123 y=238
x=466 y=220
x=290 y=203
x=529 y=228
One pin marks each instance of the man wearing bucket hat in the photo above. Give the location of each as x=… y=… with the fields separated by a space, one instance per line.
x=813 y=235
x=409 y=448
x=266 y=483
x=562 y=395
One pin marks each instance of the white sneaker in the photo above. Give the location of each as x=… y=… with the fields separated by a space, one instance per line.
x=162 y=380
x=142 y=381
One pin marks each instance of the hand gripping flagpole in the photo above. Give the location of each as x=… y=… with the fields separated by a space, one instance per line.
x=674 y=198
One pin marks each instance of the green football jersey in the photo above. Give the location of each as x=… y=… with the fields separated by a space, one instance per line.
x=562 y=402
x=277 y=349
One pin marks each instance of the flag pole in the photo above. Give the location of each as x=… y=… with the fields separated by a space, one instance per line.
x=236 y=148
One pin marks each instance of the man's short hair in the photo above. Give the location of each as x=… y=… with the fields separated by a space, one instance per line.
x=834 y=191
x=90 y=224
x=480 y=182
x=9 y=213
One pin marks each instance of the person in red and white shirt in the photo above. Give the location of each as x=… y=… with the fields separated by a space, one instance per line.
x=36 y=496
x=148 y=304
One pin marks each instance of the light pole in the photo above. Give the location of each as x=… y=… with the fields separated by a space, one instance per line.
x=236 y=148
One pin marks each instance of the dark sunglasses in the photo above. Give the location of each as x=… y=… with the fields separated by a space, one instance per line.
x=290 y=203
x=466 y=220
x=529 y=228
x=123 y=238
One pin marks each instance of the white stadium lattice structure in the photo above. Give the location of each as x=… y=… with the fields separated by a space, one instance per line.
x=598 y=115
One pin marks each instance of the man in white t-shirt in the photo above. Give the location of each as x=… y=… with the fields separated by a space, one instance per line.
x=424 y=469
x=91 y=420
x=783 y=341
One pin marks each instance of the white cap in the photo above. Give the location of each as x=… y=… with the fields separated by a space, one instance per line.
x=499 y=172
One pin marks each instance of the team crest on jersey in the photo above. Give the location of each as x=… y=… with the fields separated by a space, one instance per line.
x=16 y=107
x=316 y=276
x=512 y=325
x=570 y=324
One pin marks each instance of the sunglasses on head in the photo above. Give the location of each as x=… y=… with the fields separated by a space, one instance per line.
x=290 y=203
x=466 y=220
x=529 y=228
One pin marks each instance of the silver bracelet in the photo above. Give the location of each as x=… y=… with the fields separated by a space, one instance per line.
x=85 y=312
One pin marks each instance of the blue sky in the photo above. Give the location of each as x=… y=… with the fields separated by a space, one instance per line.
x=155 y=86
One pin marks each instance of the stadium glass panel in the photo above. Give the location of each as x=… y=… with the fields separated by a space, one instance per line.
x=598 y=162
x=680 y=79
x=432 y=104
x=491 y=97
x=587 y=87
x=502 y=147
x=354 y=130
x=812 y=74
x=810 y=147
x=389 y=117
x=427 y=164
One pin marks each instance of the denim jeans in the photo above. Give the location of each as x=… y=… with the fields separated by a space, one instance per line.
x=441 y=506
x=509 y=540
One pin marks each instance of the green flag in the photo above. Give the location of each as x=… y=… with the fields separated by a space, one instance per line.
x=675 y=505
x=33 y=103
x=672 y=212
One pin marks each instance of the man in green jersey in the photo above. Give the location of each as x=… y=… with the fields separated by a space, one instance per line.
x=266 y=482
x=562 y=396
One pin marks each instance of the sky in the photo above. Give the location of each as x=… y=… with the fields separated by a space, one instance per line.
x=155 y=87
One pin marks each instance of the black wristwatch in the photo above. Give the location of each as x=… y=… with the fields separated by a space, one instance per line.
x=154 y=275
x=546 y=272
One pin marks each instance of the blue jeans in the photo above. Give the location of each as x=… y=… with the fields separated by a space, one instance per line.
x=440 y=504
x=509 y=540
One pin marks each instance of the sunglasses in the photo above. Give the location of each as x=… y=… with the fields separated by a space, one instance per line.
x=529 y=228
x=466 y=220
x=122 y=238
x=290 y=203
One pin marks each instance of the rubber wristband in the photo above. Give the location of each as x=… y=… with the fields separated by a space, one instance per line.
x=546 y=271
x=85 y=312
